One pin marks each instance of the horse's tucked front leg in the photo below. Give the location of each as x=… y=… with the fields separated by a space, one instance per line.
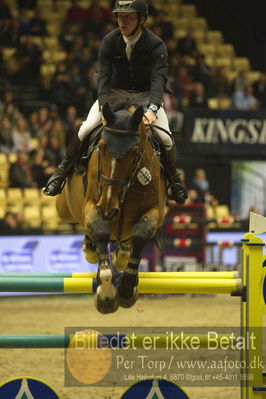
x=127 y=285
x=106 y=296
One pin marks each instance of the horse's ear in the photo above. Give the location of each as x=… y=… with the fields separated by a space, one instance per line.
x=108 y=114
x=137 y=116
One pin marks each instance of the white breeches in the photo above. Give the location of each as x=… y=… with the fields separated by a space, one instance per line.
x=94 y=118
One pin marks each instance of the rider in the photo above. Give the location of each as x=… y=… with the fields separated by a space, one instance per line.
x=132 y=70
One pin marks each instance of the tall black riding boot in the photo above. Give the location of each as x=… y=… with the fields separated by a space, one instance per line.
x=55 y=183
x=179 y=192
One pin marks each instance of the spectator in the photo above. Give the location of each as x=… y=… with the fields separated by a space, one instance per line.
x=94 y=26
x=61 y=89
x=58 y=132
x=163 y=27
x=77 y=48
x=29 y=56
x=40 y=168
x=78 y=89
x=24 y=20
x=8 y=98
x=53 y=113
x=9 y=222
x=173 y=56
x=198 y=98
x=6 y=141
x=44 y=120
x=187 y=45
x=11 y=112
x=5 y=13
x=71 y=60
x=104 y=14
x=75 y=14
x=53 y=152
x=259 y=90
x=90 y=83
x=181 y=86
x=220 y=86
x=201 y=72
x=243 y=99
x=21 y=136
x=37 y=24
x=14 y=32
x=4 y=32
x=240 y=81
x=85 y=60
x=33 y=124
x=42 y=142
x=200 y=186
x=67 y=36
x=20 y=174
x=69 y=118
x=69 y=122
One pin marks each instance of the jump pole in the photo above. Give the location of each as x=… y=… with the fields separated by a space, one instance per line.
x=145 y=286
x=180 y=275
x=97 y=341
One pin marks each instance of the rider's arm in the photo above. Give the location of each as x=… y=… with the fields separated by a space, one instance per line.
x=159 y=72
x=105 y=73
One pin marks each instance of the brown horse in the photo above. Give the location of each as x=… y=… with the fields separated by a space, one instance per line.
x=124 y=204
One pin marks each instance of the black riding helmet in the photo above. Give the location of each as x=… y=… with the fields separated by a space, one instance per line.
x=131 y=6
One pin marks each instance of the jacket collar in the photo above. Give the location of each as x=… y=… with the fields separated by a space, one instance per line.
x=139 y=46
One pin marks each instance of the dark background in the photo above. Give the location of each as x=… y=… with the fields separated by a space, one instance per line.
x=243 y=24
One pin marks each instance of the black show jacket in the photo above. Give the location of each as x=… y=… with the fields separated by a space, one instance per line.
x=146 y=70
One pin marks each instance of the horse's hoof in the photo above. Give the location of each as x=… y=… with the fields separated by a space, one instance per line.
x=91 y=257
x=128 y=302
x=106 y=305
x=90 y=252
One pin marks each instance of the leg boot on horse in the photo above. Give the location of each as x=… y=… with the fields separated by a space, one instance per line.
x=127 y=286
x=56 y=182
x=106 y=300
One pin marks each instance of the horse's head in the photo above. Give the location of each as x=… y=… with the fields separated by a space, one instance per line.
x=118 y=156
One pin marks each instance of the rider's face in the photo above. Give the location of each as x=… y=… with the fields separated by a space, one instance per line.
x=127 y=22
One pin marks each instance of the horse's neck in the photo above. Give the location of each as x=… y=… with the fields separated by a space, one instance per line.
x=143 y=136
x=145 y=145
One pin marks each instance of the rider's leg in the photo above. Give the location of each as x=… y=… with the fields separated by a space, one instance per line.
x=54 y=184
x=169 y=156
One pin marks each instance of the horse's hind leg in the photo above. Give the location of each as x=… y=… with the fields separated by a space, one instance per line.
x=89 y=249
x=127 y=286
x=106 y=296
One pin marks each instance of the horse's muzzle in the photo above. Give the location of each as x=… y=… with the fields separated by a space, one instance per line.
x=110 y=216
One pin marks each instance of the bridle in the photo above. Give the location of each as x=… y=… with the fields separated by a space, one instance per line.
x=127 y=182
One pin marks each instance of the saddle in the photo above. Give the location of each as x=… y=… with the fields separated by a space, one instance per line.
x=86 y=149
